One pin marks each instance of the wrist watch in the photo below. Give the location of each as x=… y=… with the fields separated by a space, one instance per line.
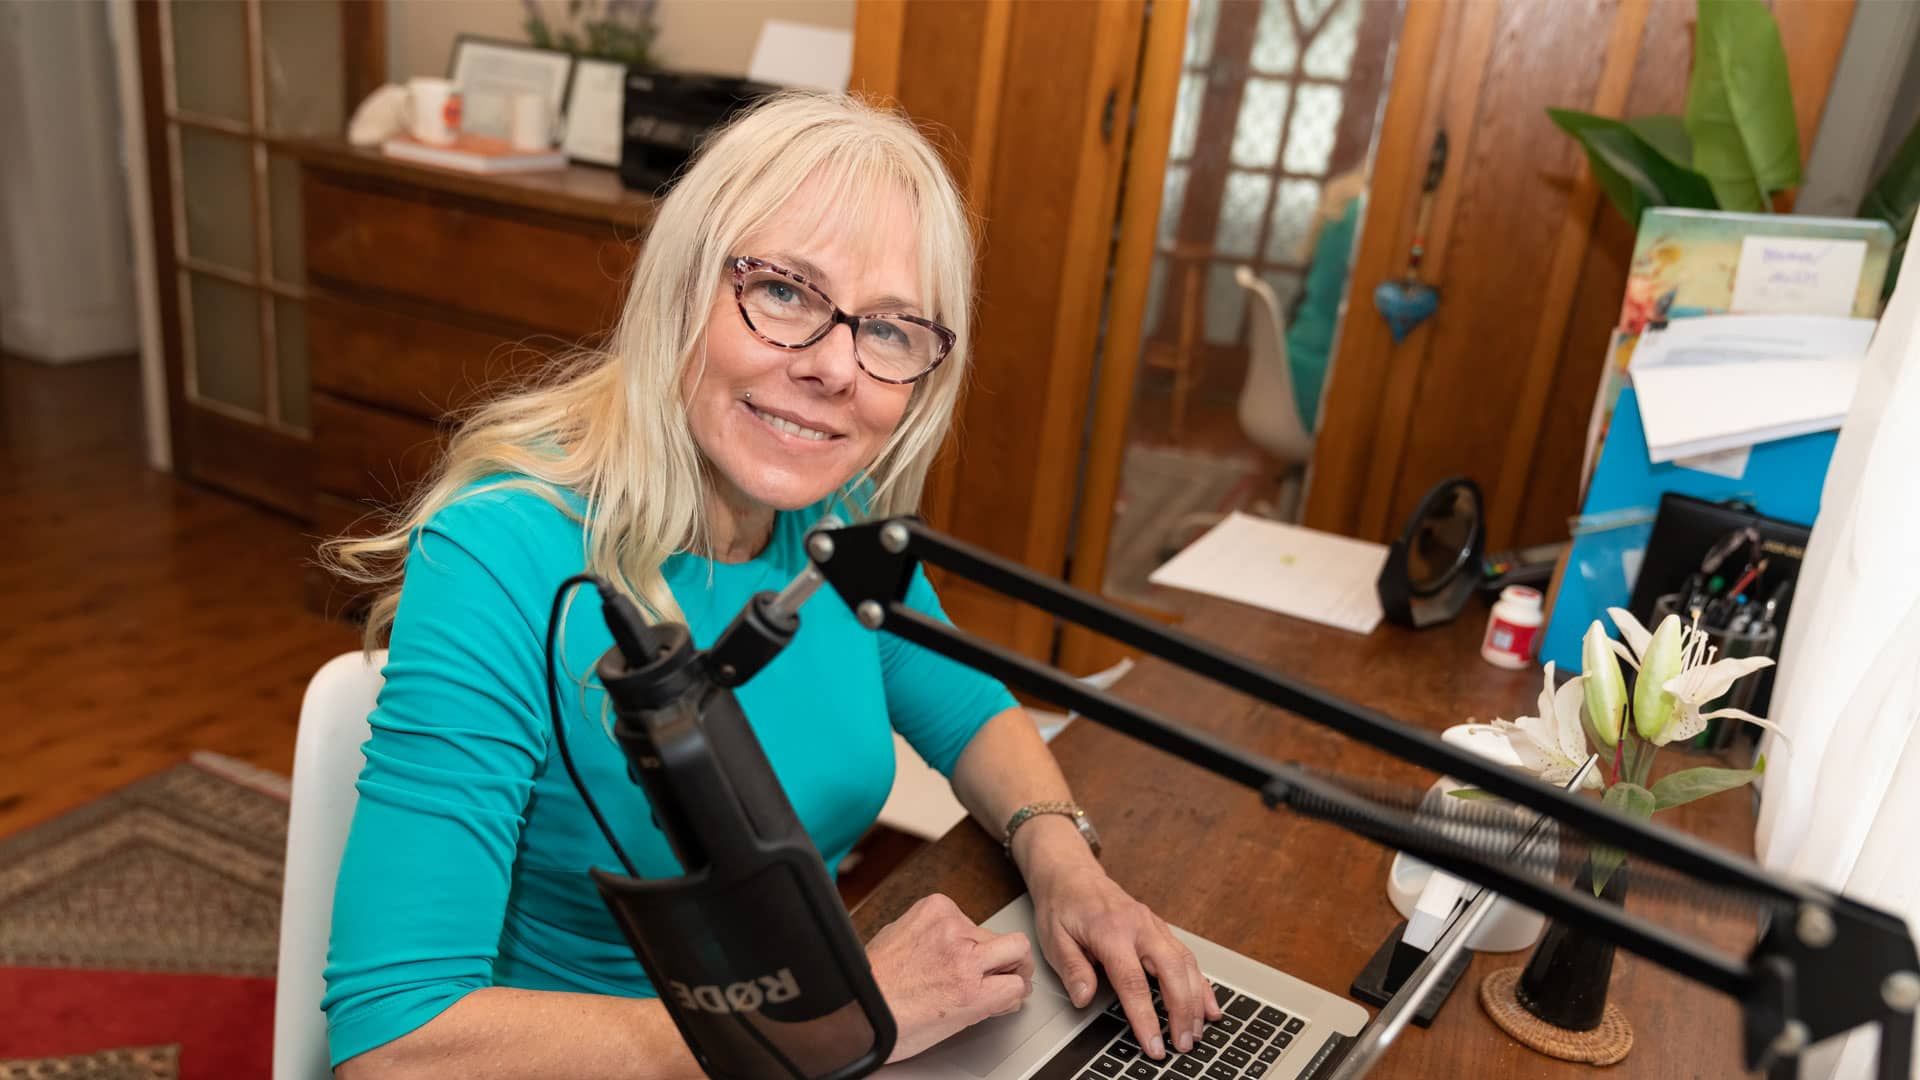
x=1067 y=809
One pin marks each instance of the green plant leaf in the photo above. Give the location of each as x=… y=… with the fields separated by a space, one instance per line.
x=1667 y=134
x=1895 y=198
x=1634 y=172
x=1631 y=800
x=1740 y=105
x=1634 y=801
x=1678 y=789
x=1471 y=793
x=537 y=33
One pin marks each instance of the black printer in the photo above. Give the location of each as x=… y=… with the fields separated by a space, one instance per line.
x=667 y=113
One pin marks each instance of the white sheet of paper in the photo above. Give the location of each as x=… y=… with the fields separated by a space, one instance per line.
x=1731 y=464
x=799 y=54
x=1694 y=409
x=1794 y=275
x=922 y=802
x=1285 y=568
x=1730 y=339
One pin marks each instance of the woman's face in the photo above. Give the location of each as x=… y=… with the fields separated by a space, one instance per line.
x=745 y=405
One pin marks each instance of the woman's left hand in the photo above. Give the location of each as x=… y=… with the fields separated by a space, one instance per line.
x=1083 y=918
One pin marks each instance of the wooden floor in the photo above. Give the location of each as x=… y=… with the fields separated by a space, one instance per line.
x=1212 y=425
x=145 y=618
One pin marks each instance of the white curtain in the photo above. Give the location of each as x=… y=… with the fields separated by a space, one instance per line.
x=1841 y=800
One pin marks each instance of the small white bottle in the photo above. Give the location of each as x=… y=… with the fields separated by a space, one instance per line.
x=1512 y=628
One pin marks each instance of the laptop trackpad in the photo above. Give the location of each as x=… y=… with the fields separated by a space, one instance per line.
x=981 y=1048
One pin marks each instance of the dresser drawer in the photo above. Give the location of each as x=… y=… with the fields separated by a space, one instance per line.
x=335 y=517
x=361 y=452
x=544 y=273
x=381 y=356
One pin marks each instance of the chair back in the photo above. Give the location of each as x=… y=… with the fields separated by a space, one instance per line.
x=326 y=763
x=1269 y=414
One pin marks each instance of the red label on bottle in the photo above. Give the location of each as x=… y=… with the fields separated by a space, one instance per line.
x=1506 y=637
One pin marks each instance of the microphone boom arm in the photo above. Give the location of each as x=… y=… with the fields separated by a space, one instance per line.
x=1826 y=966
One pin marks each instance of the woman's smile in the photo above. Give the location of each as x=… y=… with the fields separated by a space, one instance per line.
x=810 y=435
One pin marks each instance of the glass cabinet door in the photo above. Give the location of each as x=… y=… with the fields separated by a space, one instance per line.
x=239 y=76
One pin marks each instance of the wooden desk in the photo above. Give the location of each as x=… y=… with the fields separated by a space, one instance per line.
x=1305 y=896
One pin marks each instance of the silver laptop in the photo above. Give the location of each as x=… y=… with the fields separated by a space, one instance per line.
x=1277 y=1027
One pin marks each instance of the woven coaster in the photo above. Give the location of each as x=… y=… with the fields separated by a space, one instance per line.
x=1607 y=1044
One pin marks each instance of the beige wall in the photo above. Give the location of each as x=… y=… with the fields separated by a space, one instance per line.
x=695 y=35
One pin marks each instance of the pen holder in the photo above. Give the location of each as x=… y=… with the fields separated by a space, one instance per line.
x=1719 y=734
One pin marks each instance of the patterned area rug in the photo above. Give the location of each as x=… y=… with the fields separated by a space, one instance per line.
x=138 y=934
x=137 y=1063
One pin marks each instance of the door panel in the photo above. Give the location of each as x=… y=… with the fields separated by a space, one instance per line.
x=222 y=82
x=1041 y=107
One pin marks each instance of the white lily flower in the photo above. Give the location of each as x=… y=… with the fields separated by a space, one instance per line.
x=1553 y=744
x=1700 y=680
x=1632 y=633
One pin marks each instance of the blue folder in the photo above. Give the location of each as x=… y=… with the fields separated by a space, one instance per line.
x=1783 y=479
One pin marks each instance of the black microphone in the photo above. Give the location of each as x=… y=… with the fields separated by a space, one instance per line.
x=751 y=949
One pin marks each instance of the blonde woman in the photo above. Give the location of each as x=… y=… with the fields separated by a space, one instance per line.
x=793 y=341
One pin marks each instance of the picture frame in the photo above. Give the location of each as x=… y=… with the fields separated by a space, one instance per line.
x=596 y=100
x=487 y=71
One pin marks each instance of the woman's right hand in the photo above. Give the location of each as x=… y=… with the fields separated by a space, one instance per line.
x=941 y=973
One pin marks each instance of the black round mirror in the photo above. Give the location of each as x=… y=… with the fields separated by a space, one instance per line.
x=1440 y=536
x=1433 y=566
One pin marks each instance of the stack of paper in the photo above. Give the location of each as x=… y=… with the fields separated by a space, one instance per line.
x=1718 y=383
x=922 y=802
x=1285 y=568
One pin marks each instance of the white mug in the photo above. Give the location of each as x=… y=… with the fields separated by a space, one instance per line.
x=529 y=125
x=433 y=110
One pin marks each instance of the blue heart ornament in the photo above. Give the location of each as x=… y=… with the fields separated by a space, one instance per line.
x=1405 y=304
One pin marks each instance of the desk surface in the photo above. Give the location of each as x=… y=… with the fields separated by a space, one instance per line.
x=1305 y=896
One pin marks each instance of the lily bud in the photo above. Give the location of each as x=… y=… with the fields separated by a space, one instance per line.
x=1606 y=689
x=1653 y=706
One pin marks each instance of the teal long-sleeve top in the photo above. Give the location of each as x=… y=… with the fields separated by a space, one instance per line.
x=466 y=864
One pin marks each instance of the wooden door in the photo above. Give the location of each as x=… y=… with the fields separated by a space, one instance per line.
x=225 y=84
x=1529 y=260
x=1253 y=119
x=1030 y=103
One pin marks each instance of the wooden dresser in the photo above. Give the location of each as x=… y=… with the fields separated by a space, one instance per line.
x=427 y=286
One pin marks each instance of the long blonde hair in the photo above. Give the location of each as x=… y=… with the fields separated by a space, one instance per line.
x=611 y=427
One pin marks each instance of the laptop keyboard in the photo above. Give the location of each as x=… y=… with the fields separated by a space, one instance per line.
x=1248 y=1041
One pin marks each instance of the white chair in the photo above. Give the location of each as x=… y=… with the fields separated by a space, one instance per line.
x=1269 y=412
x=326 y=763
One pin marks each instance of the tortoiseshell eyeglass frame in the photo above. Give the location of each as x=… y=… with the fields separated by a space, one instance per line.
x=740 y=266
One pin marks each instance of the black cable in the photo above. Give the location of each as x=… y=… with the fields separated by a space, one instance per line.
x=559 y=722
